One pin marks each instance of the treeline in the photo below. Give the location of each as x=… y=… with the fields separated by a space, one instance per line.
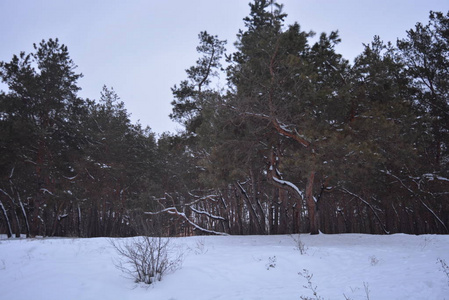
x=298 y=140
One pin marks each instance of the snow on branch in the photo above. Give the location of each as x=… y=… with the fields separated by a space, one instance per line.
x=203 y=212
x=336 y=70
x=369 y=205
x=398 y=179
x=434 y=214
x=44 y=190
x=170 y=210
x=5 y=214
x=292 y=186
x=12 y=172
x=281 y=128
x=174 y=210
x=6 y=194
x=432 y=177
x=210 y=197
x=250 y=204
x=256 y=115
x=71 y=178
x=201 y=228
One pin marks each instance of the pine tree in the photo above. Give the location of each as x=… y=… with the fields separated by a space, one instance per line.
x=425 y=52
x=291 y=91
x=192 y=95
x=43 y=116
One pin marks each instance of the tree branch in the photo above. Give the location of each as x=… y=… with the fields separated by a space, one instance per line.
x=369 y=205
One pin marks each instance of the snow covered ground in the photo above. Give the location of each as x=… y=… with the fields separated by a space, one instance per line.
x=346 y=266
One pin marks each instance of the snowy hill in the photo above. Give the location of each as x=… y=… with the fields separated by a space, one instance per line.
x=349 y=266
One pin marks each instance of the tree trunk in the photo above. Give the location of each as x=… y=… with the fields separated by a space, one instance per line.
x=312 y=205
x=282 y=212
x=25 y=216
x=5 y=215
x=239 y=212
x=252 y=211
x=15 y=222
x=256 y=201
x=79 y=220
x=36 y=214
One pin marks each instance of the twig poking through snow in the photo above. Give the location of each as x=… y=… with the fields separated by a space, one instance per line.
x=310 y=286
x=445 y=268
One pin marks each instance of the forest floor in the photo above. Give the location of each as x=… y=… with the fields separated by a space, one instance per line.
x=343 y=266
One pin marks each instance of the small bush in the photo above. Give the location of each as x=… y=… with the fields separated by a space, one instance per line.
x=147 y=259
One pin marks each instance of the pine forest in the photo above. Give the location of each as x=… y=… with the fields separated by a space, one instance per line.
x=296 y=140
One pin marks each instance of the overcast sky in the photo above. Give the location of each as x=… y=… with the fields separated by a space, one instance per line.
x=142 y=47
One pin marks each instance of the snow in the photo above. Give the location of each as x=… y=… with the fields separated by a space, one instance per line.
x=293 y=186
x=434 y=176
x=395 y=266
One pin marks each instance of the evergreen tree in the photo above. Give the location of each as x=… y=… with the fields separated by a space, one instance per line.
x=42 y=114
x=120 y=165
x=68 y=166
x=425 y=53
x=290 y=90
x=192 y=95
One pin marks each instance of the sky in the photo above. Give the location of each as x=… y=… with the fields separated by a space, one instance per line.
x=141 y=48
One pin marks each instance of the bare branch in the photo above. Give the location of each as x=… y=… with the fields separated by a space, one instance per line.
x=369 y=205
